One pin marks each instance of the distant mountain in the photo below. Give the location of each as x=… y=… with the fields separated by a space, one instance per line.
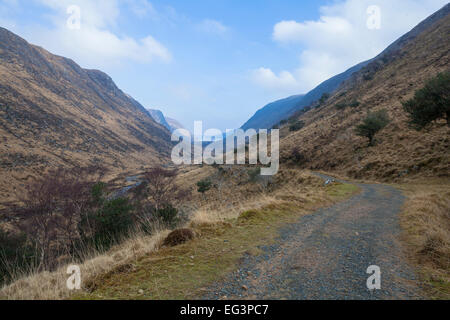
x=159 y=117
x=169 y=123
x=274 y=112
x=54 y=113
x=174 y=124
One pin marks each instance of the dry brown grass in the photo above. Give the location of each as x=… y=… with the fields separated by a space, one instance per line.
x=425 y=220
x=234 y=193
x=52 y=285
x=299 y=189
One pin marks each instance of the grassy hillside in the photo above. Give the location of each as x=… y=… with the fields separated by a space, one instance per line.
x=328 y=140
x=54 y=113
x=417 y=161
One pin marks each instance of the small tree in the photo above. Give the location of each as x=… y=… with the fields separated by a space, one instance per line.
x=298 y=156
x=354 y=104
x=203 y=186
x=324 y=98
x=168 y=216
x=103 y=226
x=430 y=103
x=297 y=126
x=157 y=197
x=373 y=123
x=52 y=208
x=161 y=188
x=341 y=106
x=253 y=174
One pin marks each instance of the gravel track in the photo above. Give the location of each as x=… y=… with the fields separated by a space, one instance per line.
x=325 y=255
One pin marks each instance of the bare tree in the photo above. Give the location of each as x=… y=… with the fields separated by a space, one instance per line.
x=52 y=208
x=161 y=188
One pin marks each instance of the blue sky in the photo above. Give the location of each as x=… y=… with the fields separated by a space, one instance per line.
x=215 y=60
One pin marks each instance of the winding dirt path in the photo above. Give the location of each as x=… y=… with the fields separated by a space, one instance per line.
x=325 y=255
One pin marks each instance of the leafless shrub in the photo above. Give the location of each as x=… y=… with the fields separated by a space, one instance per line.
x=161 y=189
x=52 y=207
x=157 y=198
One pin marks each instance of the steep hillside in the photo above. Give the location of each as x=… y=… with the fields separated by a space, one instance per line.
x=53 y=113
x=328 y=140
x=274 y=112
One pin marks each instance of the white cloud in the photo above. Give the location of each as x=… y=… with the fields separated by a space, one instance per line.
x=142 y=8
x=213 y=27
x=291 y=31
x=340 y=38
x=96 y=44
x=268 y=79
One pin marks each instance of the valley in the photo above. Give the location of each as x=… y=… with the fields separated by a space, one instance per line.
x=88 y=178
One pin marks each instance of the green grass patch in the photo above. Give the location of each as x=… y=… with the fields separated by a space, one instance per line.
x=340 y=191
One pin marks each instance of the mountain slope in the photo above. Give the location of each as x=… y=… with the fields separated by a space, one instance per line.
x=328 y=140
x=274 y=112
x=158 y=116
x=168 y=123
x=174 y=124
x=53 y=113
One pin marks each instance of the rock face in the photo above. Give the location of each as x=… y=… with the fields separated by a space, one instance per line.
x=54 y=113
